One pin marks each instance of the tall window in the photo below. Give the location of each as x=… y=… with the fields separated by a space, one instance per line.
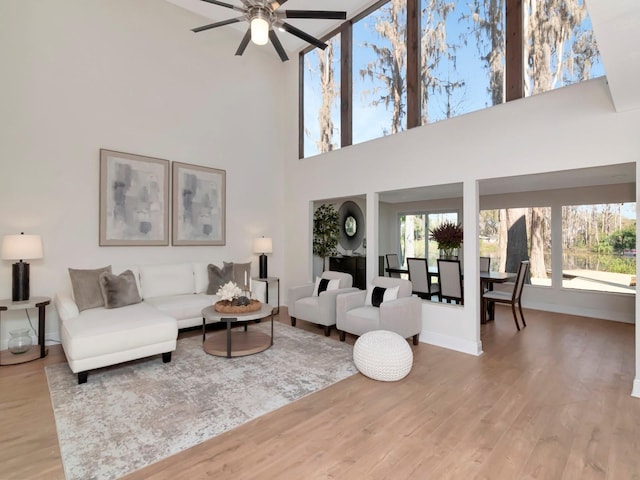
x=414 y=235
x=379 y=72
x=322 y=98
x=560 y=47
x=462 y=52
x=511 y=235
x=461 y=66
x=599 y=247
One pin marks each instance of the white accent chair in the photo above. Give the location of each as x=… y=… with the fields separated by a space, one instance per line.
x=319 y=309
x=402 y=315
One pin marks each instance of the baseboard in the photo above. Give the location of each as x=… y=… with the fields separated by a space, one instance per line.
x=577 y=310
x=636 y=388
x=452 y=343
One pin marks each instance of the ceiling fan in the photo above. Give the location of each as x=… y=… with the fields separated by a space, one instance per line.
x=263 y=16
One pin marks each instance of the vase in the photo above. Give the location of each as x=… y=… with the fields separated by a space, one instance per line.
x=19 y=341
x=449 y=253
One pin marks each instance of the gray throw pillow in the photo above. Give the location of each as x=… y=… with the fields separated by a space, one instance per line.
x=219 y=276
x=119 y=290
x=86 y=287
x=240 y=272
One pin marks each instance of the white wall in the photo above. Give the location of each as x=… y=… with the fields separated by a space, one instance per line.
x=80 y=75
x=573 y=127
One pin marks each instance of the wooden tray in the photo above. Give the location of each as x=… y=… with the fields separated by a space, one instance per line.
x=224 y=306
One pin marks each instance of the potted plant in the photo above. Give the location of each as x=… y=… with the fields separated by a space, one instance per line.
x=326 y=230
x=448 y=235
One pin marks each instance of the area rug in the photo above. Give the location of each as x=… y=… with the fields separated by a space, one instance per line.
x=132 y=415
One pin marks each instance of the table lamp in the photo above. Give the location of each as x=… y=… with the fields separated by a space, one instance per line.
x=21 y=247
x=263 y=245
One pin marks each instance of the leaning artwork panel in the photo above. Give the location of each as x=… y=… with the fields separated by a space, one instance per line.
x=198 y=205
x=134 y=199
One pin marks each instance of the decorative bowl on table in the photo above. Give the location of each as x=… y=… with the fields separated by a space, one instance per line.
x=233 y=306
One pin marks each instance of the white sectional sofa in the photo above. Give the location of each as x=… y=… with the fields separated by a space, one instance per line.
x=173 y=297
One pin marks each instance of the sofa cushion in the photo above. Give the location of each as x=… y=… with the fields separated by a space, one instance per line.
x=242 y=274
x=86 y=287
x=100 y=331
x=181 y=307
x=163 y=280
x=219 y=276
x=201 y=276
x=119 y=290
x=363 y=319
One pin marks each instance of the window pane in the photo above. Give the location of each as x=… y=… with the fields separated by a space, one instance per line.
x=599 y=247
x=414 y=235
x=462 y=57
x=560 y=46
x=433 y=221
x=322 y=99
x=379 y=72
x=511 y=235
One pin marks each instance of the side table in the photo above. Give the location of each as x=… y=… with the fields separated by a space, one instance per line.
x=268 y=281
x=35 y=351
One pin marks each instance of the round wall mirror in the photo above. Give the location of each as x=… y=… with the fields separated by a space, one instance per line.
x=350 y=226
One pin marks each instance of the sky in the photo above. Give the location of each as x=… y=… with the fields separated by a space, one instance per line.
x=371 y=121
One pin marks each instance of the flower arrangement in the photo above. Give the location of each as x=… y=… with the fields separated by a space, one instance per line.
x=231 y=300
x=229 y=291
x=448 y=235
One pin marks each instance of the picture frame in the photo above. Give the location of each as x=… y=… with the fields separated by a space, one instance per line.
x=199 y=205
x=134 y=200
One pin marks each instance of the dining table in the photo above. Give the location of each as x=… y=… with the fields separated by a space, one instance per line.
x=487 y=281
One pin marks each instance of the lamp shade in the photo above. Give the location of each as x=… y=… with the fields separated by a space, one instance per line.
x=263 y=245
x=259 y=31
x=21 y=247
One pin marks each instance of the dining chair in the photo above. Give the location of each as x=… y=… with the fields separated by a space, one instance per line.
x=392 y=262
x=513 y=297
x=485 y=264
x=450 y=280
x=420 y=278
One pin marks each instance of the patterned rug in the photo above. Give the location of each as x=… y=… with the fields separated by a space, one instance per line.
x=132 y=415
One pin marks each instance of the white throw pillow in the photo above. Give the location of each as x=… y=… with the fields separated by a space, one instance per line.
x=388 y=294
x=333 y=284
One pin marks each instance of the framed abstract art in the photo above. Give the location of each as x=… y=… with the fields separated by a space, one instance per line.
x=134 y=199
x=199 y=204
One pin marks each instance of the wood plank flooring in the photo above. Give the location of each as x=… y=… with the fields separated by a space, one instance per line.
x=550 y=402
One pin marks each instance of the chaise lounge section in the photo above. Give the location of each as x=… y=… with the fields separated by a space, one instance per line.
x=173 y=297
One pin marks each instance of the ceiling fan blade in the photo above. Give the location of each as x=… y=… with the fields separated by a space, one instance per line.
x=244 y=42
x=223 y=4
x=277 y=45
x=217 y=24
x=324 y=14
x=304 y=36
x=277 y=4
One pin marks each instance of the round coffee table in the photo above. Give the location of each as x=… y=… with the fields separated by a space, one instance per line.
x=236 y=343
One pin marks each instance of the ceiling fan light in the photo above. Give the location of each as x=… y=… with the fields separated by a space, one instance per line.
x=259 y=31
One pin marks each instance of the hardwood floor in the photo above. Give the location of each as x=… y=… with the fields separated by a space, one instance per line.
x=552 y=401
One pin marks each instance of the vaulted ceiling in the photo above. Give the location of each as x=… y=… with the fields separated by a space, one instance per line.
x=616 y=24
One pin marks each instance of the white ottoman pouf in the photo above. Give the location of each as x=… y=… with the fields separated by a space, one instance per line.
x=383 y=355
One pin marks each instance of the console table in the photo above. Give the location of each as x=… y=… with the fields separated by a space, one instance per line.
x=356 y=266
x=35 y=351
